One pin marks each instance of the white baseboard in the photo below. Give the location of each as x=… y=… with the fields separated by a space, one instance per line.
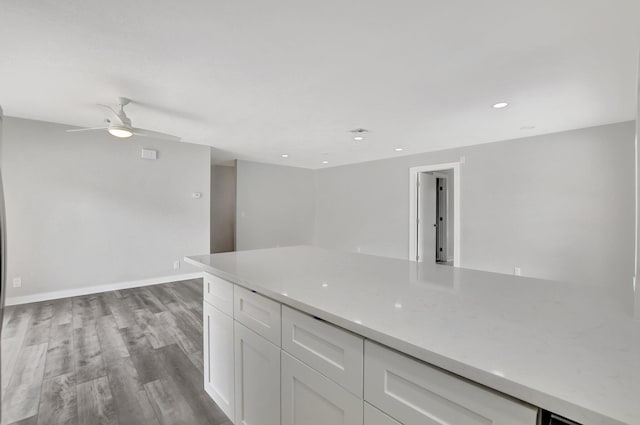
x=54 y=295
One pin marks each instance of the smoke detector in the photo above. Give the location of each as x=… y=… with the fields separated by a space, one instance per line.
x=358 y=133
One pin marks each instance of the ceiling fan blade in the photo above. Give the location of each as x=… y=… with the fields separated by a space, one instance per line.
x=77 y=130
x=154 y=134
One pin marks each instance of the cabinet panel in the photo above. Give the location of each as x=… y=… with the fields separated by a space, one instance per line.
x=218 y=292
x=257 y=378
x=418 y=394
x=258 y=313
x=218 y=358
x=308 y=398
x=373 y=416
x=334 y=352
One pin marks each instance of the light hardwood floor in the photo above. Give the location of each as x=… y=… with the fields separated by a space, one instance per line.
x=130 y=357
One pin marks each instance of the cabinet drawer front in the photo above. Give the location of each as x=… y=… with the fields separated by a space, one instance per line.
x=332 y=351
x=218 y=358
x=257 y=379
x=309 y=398
x=258 y=313
x=373 y=416
x=218 y=292
x=418 y=394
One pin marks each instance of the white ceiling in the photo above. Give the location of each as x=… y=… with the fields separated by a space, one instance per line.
x=259 y=78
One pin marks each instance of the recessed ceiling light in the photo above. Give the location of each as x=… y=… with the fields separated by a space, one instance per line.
x=324 y=285
x=527 y=127
x=284 y=155
x=358 y=138
x=399 y=149
x=325 y=162
x=397 y=305
x=500 y=105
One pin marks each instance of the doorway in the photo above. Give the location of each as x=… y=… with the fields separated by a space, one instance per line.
x=434 y=230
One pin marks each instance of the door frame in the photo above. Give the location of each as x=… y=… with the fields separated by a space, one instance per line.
x=413 y=207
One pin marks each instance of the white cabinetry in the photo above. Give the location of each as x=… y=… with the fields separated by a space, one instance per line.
x=373 y=416
x=418 y=394
x=336 y=377
x=332 y=351
x=218 y=358
x=309 y=398
x=257 y=377
x=258 y=313
x=218 y=292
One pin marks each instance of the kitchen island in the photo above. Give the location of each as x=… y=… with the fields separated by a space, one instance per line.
x=570 y=349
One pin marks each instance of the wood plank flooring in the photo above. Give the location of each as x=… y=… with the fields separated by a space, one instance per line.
x=129 y=357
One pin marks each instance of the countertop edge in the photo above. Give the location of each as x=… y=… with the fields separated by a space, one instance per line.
x=492 y=381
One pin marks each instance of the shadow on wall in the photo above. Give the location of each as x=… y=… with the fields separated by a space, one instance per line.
x=223 y=208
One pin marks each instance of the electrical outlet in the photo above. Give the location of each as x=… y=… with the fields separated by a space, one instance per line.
x=517 y=271
x=17 y=282
x=176 y=265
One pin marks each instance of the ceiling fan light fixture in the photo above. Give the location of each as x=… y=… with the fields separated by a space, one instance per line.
x=120 y=131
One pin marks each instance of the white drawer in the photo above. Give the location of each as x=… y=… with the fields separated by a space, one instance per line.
x=218 y=292
x=373 y=416
x=418 y=394
x=258 y=313
x=334 y=352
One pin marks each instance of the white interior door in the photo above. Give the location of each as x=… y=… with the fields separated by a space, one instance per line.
x=427 y=192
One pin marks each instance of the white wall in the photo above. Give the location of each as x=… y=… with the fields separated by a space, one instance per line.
x=637 y=273
x=83 y=209
x=223 y=208
x=560 y=206
x=275 y=205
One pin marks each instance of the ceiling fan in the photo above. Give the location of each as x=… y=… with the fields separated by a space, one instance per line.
x=121 y=127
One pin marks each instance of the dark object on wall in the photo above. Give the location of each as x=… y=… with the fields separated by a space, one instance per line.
x=548 y=418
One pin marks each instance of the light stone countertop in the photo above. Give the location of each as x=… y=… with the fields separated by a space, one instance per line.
x=568 y=348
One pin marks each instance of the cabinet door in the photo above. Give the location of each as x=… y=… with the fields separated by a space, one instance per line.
x=309 y=398
x=257 y=379
x=373 y=416
x=218 y=358
x=416 y=393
